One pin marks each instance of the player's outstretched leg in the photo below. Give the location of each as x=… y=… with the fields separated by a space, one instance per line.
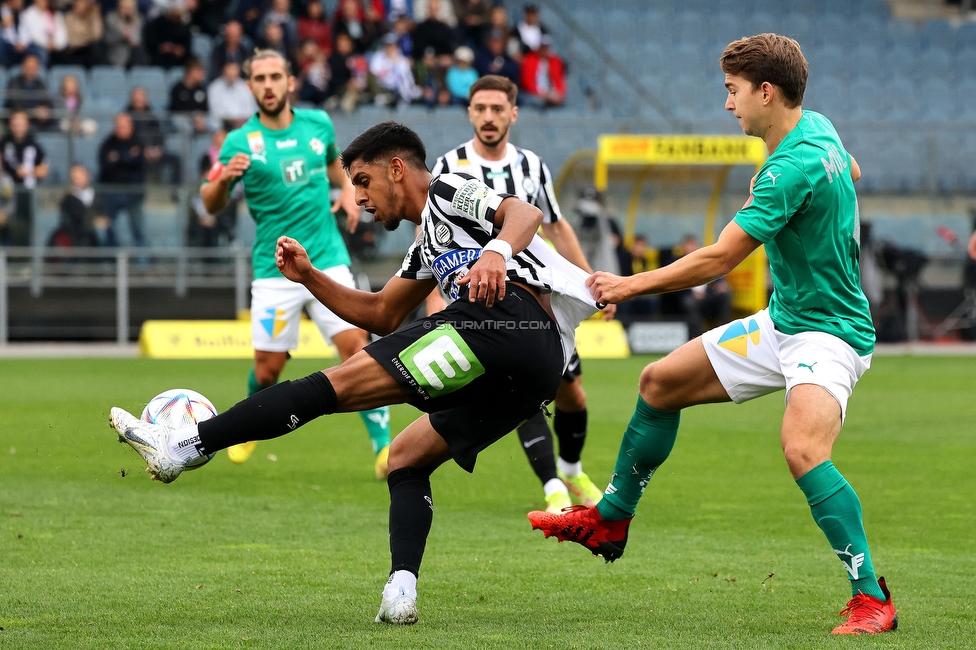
x=536 y=440
x=273 y=412
x=239 y=454
x=647 y=443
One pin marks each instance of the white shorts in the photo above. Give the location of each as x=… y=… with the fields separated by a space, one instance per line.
x=752 y=359
x=276 y=309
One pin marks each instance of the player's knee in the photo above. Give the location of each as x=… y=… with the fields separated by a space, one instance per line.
x=802 y=456
x=654 y=389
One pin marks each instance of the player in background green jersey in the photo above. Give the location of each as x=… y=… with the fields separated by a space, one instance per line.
x=288 y=161
x=815 y=339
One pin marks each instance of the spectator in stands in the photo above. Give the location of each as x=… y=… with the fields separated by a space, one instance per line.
x=123 y=36
x=492 y=59
x=248 y=14
x=313 y=25
x=432 y=77
x=433 y=31
x=209 y=16
x=15 y=40
x=642 y=258
x=350 y=18
x=543 y=77
x=25 y=163
x=279 y=15
x=168 y=37
x=188 y=96
x=229 y=47
x=273 y=38
x=27 y=91
x=498 y=22
x=349 y=83
x=403 y=29
x=442 y=11
x=161 y=166
x=530 y=29
x=67 y=106
x=393 y=74
x=46 y=29
x=312 y=80
x=122 y=165
x=6 y=208
x=474 y=18
x=85 y=30
x=461 y=75
x=76 y=225
x=230 y=99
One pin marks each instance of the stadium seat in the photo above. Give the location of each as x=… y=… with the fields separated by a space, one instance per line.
x=901 y=33
x=828 y=60
x=86 y=152
x=899 y=100
x=865 y=93
x=936 y=33
x=900 y=60
x=109 y=88
x=936 y=100
x=201 y=46
x=153 y=79
x=55 y=146
x=832 y=30
x=964 y=99
x=829 y=95
x=936 y=62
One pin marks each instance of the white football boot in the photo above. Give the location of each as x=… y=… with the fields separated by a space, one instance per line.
x=401 y=609
x=151 y=441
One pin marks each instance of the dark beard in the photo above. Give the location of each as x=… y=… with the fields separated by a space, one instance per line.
x=390 y=227
x=496 y=143
x=275 y=110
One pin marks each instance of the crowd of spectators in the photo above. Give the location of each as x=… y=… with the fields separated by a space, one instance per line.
x=344 y=53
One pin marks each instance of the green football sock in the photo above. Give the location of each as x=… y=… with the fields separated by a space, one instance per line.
x=647 y=443
x=253 y=386
x=837 y=511
x=377 y=423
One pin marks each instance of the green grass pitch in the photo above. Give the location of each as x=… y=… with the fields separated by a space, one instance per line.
x=293 y=552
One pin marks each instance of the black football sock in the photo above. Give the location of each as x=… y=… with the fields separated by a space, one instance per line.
x=537 y=442
x=570 y=429
x=273 y=412
x=411 y=514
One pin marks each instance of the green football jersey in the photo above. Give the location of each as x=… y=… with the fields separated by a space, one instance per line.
x=804 y=209
x=287 y=188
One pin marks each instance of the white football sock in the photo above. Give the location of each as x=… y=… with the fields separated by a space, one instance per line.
x=569 y=470
x=183 y=443
x=401 y=579
x=554 y=485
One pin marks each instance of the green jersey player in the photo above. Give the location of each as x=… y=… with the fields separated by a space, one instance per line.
x=288 y=161
x=815 y=340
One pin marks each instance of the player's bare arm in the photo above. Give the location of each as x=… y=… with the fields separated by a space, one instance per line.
x=855 y=170
x=699 y=267
x=519 y=222
x=215 y=193
x=347 y=197
x=564 y=240
x=380 y=312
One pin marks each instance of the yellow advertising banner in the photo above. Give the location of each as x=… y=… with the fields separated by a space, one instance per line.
x=219 y=339
x=681 y=149
x=598 y=339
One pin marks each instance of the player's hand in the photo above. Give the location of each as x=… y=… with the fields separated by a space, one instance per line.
x=347 y=201
x=487 y=278
x=607 y=288
x=609 y=312
x=292 y=260
x=234 y=168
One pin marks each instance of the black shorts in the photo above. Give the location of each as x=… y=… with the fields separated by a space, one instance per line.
x=574 y=369
x=480 y=372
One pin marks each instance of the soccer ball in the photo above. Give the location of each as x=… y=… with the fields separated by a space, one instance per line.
x=178 y=408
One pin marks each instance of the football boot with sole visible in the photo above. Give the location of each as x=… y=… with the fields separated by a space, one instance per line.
x=151 y=441
x=584 y=526
x=868 y=615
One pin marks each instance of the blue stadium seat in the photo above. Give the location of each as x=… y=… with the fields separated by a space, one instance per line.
x=153 y=79
x=828 y=60
x=936 y=100
x=829 y=95
x=865 y=93
x=832 y=30
x=201 y=46
x=55 y=146
x=938 y=34
x=900 y=60
x=899 y=101
x=109 y=88
x=936 y=62
x=86 y=152
x=966 y=35
x=964 y=99
x=869 y=30
x=901 y=32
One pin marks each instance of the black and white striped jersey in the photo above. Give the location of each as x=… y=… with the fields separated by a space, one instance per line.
x=457 y=222
x=520 y=173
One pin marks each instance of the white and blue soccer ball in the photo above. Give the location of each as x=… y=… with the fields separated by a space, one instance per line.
x=177 y=408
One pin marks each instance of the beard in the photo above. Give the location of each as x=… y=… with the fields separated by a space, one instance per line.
x=392 y=224
x=274 y=110
x=500 y=136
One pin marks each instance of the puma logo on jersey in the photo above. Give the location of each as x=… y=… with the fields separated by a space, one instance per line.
x=808 y=367
x=773 y=177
